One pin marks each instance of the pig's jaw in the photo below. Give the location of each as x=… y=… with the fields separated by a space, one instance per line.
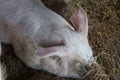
x=63 y=60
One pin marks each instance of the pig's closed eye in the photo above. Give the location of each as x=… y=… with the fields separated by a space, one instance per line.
x=57 y=58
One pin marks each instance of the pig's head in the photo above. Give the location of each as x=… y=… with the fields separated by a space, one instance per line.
x=65 y=51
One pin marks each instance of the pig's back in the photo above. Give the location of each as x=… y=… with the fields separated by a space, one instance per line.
x=18 y=16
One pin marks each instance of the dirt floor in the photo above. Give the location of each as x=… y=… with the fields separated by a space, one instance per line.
x=104 y=37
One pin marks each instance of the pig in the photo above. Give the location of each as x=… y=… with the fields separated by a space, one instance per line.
x=42 y=39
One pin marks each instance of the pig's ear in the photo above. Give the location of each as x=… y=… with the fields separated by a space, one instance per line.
x=49 y=45
x=44 y=52
x=80 y=22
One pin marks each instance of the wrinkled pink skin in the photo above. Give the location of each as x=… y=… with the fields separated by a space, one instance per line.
x=44 y=40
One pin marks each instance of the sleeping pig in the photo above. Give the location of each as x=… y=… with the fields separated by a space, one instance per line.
x=44 y=40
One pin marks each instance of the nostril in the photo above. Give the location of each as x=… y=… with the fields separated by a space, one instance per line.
x=87 y=67
x=84 y=69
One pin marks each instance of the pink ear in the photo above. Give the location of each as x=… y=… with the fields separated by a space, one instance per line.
x=42 y=52
x=80 y=22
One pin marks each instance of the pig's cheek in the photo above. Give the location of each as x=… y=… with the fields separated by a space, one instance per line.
x=64 y=67
x=54 y=66
x=48 y=64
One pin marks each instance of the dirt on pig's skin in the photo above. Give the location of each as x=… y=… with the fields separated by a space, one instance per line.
x=104 y=37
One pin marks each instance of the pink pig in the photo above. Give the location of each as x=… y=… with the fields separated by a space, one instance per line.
x=42 y=39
